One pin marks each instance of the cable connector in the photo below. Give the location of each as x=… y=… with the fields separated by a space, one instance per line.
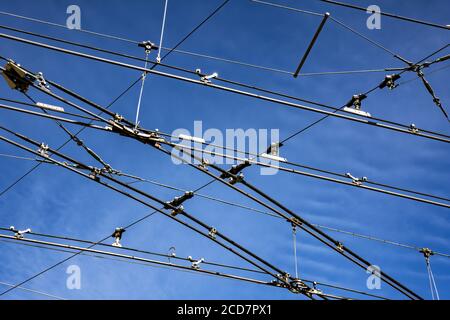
x=212 y=233
x=148 y=46
x=389 y=81
x=357 y=181
x=206 y=78
x=427 y=252
x=16 y=77
x=43 y=150
x=413 y=128
x=94 y=174
x=19 y=234
x=172 y=253
x=354 y=105
x=204 y=165
x=117 y=234
x=236 y=169
x=195 y=263
x=340 y=247
x=177 y=203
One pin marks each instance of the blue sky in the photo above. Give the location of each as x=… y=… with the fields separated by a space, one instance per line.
x=54 y=201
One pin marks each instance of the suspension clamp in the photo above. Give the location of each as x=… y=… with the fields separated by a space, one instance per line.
x=357 y=181
x=206 y=78
x=389 y=81
x=340 y=247
x=236 y=169
x=43 y=150
x=19 y=234
x=195 y=263
x=427 y=252
x=172 y=253
x=117 y=234
x=354 y=105
x=177 y=203
x=212 y=233
x=204 y=165
x=148 y=46
x=94 y=174
x=413 y=128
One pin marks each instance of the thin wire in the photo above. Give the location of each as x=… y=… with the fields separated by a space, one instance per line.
x=433 y=287
x=391 y=15
x=16 y=157
x=158 y=58
x=289 y=8
x=33 y=291
x=144 y=76
x=294 y=238
x=65 y=27
x=369 y=40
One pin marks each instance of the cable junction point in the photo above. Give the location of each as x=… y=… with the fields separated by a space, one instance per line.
x=196 y=263
x=117 y=234
x=176 y=203
x=389 y=81
x=357 y=181
x=206 y=78
x=19 y=234
x=354 y=105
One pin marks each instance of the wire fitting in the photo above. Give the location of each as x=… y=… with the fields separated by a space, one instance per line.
x=389 y=82
x=43 y=150
x=195 y=263
x=19 y=234
x=94 y=174
x=357 y=181
x=427 y=253
x=236 y=169
x=236 y=179
x=212 y=233
x=340 y=247
x=172 y=253
x=177 y=203
x=354 y=105
x=148 y=46
x=117 y=234
x=413 y=128
x=206 y=78
x=16 y=77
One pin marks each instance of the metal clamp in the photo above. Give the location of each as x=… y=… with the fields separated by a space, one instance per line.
x=340 y=247
x=177 y=203
x=41 y=81
x=212 y=233
x=206 y=78
x=389 y=81
x=19 y=234
x=357 y=181
x=236 y=179
x=117 y=234
x=43 y=150
x=172 y=253
x=413 y=128
x=148 y=46
x=427 y=252
x=95 y=172
x=204 y=165
x=195 y=263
